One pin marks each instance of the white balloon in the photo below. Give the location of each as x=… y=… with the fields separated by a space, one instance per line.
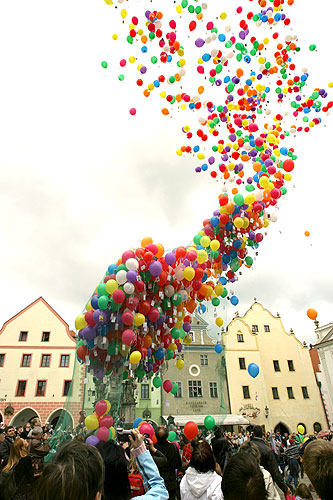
x=182 y=72
x=259 y=195
x=184 y=295
x=228 y=28
x=179 y=273
x=121 y=277
x=129 y=288
x=214 y=52
x=102 y=342
x=208 y=39
x=169 y=291
x=273 y=217
x=132 y=264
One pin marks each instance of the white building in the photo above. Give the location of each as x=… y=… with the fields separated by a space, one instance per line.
x=324 y=347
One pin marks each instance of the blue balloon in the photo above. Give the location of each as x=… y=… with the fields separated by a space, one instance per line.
x=159 y=353
x=218 y=348
x=137 y=422
x=234 y=300
x=112 y=268
x=253 y=370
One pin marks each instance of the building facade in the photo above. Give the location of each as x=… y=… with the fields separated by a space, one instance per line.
x=285 y=393
x=37 y=356
x=148 y=402
x=324 y=366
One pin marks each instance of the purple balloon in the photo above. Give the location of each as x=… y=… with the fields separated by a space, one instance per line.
x=186 y=327
x=179 y=347
x=199 y=42
x=155 y=268
x=99 y=317
x=89 y=333
x=92 y=440
x=170 y=258
x=132 y=276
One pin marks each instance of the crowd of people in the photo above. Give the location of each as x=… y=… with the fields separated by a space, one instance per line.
x=218 y=466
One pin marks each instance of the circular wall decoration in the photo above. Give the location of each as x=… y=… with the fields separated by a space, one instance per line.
x=194 y=370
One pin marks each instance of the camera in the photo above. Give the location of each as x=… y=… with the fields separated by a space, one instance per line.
x=123 y=435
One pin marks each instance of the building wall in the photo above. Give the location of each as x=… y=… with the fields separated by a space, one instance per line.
x=263 y=348
x=152 y=403
x=324 y=347
x=35 y=319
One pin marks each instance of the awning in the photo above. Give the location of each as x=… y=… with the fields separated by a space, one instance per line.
x=226 y=419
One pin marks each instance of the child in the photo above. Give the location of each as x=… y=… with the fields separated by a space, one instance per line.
x=302 y=493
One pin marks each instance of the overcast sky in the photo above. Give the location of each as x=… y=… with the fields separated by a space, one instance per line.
x=82 y=180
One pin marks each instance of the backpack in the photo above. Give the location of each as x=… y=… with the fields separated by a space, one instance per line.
x=136 y=484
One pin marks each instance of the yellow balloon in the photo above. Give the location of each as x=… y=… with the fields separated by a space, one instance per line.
x=238 y=222
x=219 y=321
x=80 y=322
x=113 y=431
x=263 y=181
x=210 y=291
x=123 y=13
x=108 y=2
x=180 y=364
x=179 y=9
x=135 y=357
x=139 y=319
x=89 y=307
x=189 y=273
x=202 y=256
x=111 y=286
x=108 y=404
x=131 y=59
x=271 y=138
x=250 y=199
x=91 y=422
x=215 y=245
x=115 y=36
x=187 y=340
x=172 y=346
x=300 y=429
x=219 y=289
x=246 y=222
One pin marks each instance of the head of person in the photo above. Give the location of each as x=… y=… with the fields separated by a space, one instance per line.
x=2 y=435
x=218 y=431
x=303 y=492
x=258 y=431
x=251 y=449
x=18 y=450
x=76 y=472
x=116 y=483
x=318 y=465
x=162 y=434
x=27 y=427
x=243 y=479
x=37 y=432
x=10 y=431
x=19 y=429
x=202 y=457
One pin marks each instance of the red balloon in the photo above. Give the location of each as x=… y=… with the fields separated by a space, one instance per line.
x=192 y=25
x=101 y=407
x=89 y=318
x=81 y=352
x=106 y=421
x=144 y=307
x=167 y=385
x=191 y=430
x=288 y=165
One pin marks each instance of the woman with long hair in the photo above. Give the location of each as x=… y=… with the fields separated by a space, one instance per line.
x=18 y=474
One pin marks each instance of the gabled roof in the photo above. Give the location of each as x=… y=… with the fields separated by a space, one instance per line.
x=201 y=320
x=328 y=337
x=69 y=332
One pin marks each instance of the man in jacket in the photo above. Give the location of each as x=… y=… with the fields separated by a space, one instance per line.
x=221 y=448
x=168 y=471
x=38 y=449
x=6 y=444
x=267 y=459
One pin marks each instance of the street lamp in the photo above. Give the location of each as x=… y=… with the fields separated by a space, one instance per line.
x=266 y=411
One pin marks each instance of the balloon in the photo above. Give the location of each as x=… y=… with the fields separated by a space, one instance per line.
x=92 y=440
x=312 y=314
x=108 y=404
x=132 y=111
x=128 y=337
x=172 y=436
x=218 y=348
x=101 y=408
x=253 y=370
x=157 y=382
x=307 y=233
x=106 y=421
x=167 y=385
x=180 y=364
x=103 y=434
x=146 y=428
x=191 y=430
x=135 y=357
x=174 y=389
x=300 y=429
x=209 y=422
x=136 y=422
x=219 y=322
x=91 y=422
x=80 y=322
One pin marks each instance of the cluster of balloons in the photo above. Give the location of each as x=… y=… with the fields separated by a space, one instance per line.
x=100 y=422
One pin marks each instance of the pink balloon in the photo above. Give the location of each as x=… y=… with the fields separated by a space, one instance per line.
x=128 y=337
x=127 y=318
x=146 y=428
x=133 y=111
x=106 y=421
x=101 y=408
x=103 y=434
x=167 y=385
x=118 y=296
x=129 y=254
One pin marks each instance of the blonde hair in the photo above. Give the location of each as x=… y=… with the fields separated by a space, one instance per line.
x=18 y=450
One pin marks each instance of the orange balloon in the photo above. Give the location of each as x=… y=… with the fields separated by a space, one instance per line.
x=307 y=233
x=312 y=313
x=165 y=111
x=146 y=241
x=201 y=89
x=160 y=250
x=147 y=341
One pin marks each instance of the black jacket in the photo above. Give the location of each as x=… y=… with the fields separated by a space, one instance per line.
x=268 y=461
x=5 y=450
x=222 y=451
x=168 y=470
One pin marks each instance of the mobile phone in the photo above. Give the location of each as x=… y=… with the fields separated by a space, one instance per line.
x=123 y=435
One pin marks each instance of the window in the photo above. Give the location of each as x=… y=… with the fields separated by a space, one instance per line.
x=255 y=329
x=192 y=335
x=240 y=337
x=203 y=359
x=64 y=360
x=67 y=386
x=46 y=337
x=290 y=393
x=2 y=360
x=246 y=392
x=144 y=391
x=266 y=328
x=213 y=389
x=305 y=393
x=21 y=387
x=194 y=389
x=23 y=336
x=276 y=365
x=46 y=359
x=179 y=393
x=26 y=360
x=242 y=364
x=275 y=392
x=291 y=365
x=41 y=388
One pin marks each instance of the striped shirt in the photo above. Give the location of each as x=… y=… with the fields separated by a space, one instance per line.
x=292 y=451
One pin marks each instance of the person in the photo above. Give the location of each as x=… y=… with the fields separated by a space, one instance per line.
x=2 y=438
x=302 y=493
x=76 y=472
x=26 y=430
x=252 y=449
x=18 y=474
x=267 y=459
x=170 y=451
x=39 y=447
x=221 y=448
x=200 y=480
x=292 y=454
x=318 y=465
x=6 y=444
x=243 y=480
x=35 y=422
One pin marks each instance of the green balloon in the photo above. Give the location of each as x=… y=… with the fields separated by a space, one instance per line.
x=104 y=64
x=174 y=389
x=172 y=435
x=170 y=354
x=216 y=301
x=103 y=302
x=248 y=261
x=176 y=299
x=175 y=333
x=313 y=47
x=140 y=372
x=239 y=199
x=130 y=39
x=101 y=289
x=121 y=78
x=209 y=423
x=157 y=382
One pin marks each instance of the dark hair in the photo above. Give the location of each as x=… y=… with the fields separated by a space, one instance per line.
x=257 y=431
x=116 y=483
x=202 y=457
x=76 y=472
x=218 y=432
x=161 y=434
x=252 y=449
x=243 y=479
x=303 y=491
x=9 y=427
x=318 y=465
